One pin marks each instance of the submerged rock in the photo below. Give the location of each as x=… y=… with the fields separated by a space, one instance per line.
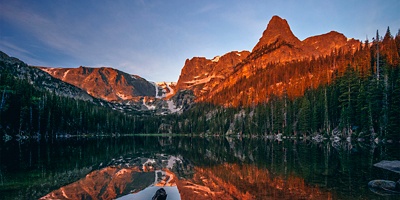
x=384 y=187
x=393 y=165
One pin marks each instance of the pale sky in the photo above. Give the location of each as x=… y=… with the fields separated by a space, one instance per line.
x=153 y=38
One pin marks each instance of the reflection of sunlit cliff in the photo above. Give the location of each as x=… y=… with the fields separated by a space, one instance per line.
x=123 y=176
x=107 y=183
x=128 y=175
x=245 y=182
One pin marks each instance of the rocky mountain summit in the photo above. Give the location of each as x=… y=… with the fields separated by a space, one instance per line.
x=206 y=79
x=125 y=91
x=277 y=32
x=40 y=79
x=201 y=75
x=105 y=83
x=102 y=86
x=278 y=44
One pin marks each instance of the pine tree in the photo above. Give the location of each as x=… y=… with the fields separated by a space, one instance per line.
x=304 y=116
x=363 y=113
x=347 y=97
x=394 y=111
x=377 y=39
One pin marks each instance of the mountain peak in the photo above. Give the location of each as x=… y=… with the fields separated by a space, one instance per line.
x=277 y=28
x=277 y=21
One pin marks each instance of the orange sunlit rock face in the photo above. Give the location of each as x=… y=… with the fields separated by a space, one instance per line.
x=107 y=183
x=225 y=181
x=201 y=75
x=271 y=57
x=279 y=64
x=245 y=182
x=105 y=83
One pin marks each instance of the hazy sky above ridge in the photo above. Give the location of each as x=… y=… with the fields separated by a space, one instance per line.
x=153 y=38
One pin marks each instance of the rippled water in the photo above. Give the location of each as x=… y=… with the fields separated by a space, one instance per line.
x=200 y=168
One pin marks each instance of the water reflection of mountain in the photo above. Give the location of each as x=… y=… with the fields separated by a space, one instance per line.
x=216 y=166
x=125 y=177
x=120 y=177
x=235 y=181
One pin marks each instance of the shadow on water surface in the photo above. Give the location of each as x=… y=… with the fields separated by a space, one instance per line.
x=198 y=167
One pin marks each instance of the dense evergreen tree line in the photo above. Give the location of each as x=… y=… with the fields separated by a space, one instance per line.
x=349 y=94
x=27 y=111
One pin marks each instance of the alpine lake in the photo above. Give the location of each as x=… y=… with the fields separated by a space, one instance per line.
x=193 y=167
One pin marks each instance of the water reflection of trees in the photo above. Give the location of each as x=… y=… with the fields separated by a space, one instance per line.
x=342 y=167
x=346 y=167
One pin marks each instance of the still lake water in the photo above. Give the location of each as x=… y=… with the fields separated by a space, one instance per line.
x=191 y=168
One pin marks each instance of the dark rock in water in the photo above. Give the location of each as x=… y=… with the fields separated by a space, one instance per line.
x=398 y=185
x=160 y=195
x=384 y=187
x=393 y=165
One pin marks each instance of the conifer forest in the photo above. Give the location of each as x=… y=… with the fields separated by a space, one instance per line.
x=347 y=94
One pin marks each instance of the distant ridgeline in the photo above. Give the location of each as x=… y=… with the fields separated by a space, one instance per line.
x=33 y=104
x=348 y=92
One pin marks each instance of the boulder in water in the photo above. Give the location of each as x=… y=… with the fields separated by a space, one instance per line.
x=393 y=165
x=385 y=187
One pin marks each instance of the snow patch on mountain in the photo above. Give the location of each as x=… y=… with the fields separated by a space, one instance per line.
x=172 y=107
x=204 y=80
x=166 y=89
x=216 y=58
x=65 y=75
x=171 y=91
x=122 y=96
x=49 y=70
x=150 y=107
x=172 y=160
x=148 y=162
x=157 y=88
